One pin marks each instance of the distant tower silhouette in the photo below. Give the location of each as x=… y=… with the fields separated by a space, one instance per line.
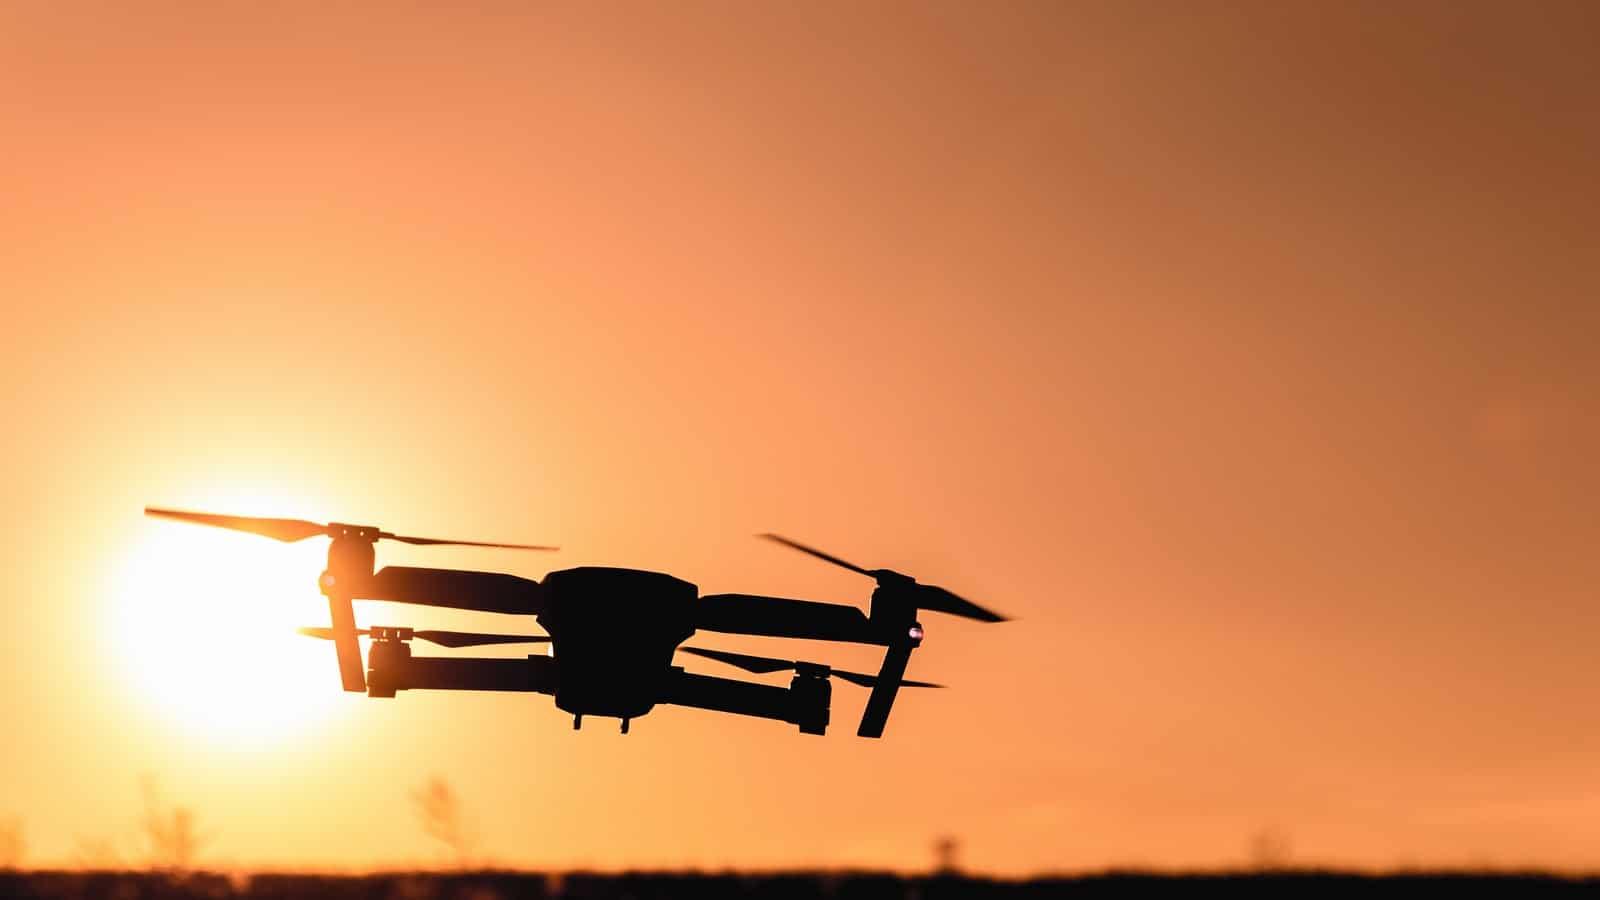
x=946 y=851
x=1270 y=850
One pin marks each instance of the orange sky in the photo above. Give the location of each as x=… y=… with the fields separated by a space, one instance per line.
x=1244 y=355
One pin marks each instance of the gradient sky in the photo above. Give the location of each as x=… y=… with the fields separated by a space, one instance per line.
x=1243 y=352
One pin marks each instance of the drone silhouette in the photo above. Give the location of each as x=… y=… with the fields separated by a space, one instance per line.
x=612 y=632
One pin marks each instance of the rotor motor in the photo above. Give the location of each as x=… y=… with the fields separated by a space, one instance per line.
x=812 y=694
x=351 y=557
x=386 y=660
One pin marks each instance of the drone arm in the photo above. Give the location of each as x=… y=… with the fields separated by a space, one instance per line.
x=444 y=673
x=782 y=617
x=452 y=588
x=729 y=695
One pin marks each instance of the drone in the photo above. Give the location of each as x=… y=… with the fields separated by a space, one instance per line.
x=611 y=633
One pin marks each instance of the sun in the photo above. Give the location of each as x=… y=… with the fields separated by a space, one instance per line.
x=203 y=622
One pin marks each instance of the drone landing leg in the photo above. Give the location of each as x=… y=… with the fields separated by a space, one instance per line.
x=876 y=714
x=349 y=562
x=344 y=643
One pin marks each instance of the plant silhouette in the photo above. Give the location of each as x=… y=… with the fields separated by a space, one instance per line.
x=439 y=813
x=11 y=844
x=172 y=839
x=97 y=853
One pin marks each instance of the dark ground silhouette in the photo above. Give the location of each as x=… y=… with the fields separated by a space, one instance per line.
x=770 y=886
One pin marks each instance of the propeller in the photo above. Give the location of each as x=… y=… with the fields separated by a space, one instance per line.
x=290 y=530
x=763 y=664
x=442 y=638
x=927 y=596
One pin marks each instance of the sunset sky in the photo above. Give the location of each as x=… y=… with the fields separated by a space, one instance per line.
x=1243 y=352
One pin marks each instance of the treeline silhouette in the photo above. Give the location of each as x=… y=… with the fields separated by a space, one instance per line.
x=767 y=886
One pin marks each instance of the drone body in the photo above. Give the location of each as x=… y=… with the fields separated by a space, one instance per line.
x=612 y=632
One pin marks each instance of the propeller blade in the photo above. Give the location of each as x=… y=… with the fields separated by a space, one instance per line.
x=796 y=545
x=868 y=681
x=940 y=600
x=427 y=542
x=760 y=664
x=764 y=664
x=929 y=596
x=289 y=530
x=443 y=638
x=286 y=530
x=469 y=639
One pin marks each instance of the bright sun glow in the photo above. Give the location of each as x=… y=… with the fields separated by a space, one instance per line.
x=204 y=624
